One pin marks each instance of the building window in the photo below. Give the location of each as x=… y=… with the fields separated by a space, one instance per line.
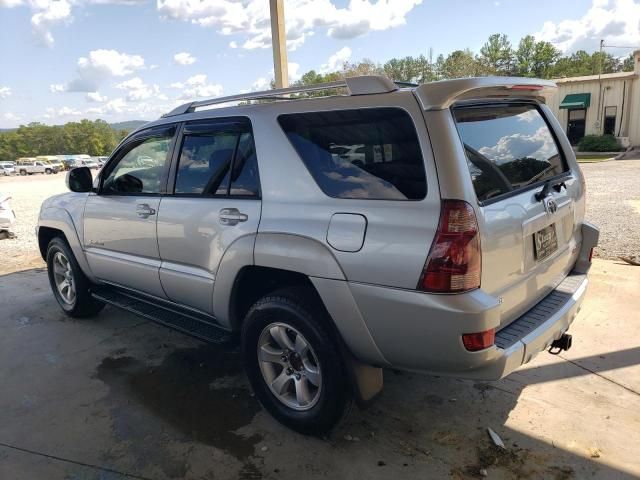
x=576 y=125
x=610 y=120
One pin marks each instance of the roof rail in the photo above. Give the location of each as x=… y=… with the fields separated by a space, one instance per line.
x=362 y=85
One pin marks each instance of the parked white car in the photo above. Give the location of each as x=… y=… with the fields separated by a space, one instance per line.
x=7 y=168
x=7 y=215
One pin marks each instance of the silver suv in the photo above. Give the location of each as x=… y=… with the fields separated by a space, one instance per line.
x=435 y=228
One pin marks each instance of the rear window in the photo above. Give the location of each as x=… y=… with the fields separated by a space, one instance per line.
x=508 y=147
x=366 y=153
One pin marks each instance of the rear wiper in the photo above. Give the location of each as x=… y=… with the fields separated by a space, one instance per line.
x=548 y=185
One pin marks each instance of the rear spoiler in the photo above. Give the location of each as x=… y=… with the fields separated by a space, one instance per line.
x=442 y=94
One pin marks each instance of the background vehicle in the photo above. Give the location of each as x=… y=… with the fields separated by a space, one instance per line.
x=52 y=160
x=7 y=215
x=318 y=232
x=29 y=167
x=88 y=163
x=7 y=168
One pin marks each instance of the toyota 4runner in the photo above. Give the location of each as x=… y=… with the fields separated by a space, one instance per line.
x=435 y=228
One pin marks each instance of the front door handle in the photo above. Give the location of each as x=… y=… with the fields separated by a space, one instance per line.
x=144 y=210
x=231 y=216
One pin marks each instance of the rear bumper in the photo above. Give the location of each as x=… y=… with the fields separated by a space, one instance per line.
x=422 y=332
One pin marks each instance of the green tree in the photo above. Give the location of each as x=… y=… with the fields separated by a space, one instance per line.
x=409 y=69
x=496 y=55
x=628 y=64
x=93 y=138
x=458 y=64
x=535 y=59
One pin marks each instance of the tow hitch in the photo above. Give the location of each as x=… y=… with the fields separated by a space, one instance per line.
x=561 y=344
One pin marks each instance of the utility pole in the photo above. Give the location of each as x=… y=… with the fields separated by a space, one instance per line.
x=279 y=43
x=599 y=120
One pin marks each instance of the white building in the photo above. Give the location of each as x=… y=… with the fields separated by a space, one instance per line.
x=597 y=105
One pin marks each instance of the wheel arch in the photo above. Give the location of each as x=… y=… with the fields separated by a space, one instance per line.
x=57 y=222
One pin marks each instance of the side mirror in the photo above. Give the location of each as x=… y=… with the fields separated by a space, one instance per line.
x=79 y=179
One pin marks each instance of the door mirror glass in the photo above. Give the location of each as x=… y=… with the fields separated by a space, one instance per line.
x=79 y=179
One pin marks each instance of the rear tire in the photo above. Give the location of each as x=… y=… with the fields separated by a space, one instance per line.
x=23 y=172
x=48 y=171
x=69 y=284
x=293 y=361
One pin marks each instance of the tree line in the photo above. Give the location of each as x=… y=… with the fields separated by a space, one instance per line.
x=498 y=56
x=93 y=138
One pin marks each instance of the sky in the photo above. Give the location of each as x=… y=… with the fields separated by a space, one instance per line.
x=63 y=60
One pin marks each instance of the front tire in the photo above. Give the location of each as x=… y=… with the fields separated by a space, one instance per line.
x=293 y=361
x=69 y=284
x=23 y=172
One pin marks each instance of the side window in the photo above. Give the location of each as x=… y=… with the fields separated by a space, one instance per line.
x=218 y=160
x=369 y=153
x=508 y=147
x=140 y=169
x=244 y=177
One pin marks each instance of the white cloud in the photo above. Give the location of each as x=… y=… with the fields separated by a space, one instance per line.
x=46 y=14
x=95 y=97
x=260 y=84
x=11 y=117
x=68 y=111
x=250 y=18
x=5 y=92
x=197 y=86
x=616 y=21
x=336 y=60
x=294 y=71
x=57 y=88
x=98 y=67
x=540 y=145
x=138 y=90
x=111 y=62
x=184 y=58
x=177 y=85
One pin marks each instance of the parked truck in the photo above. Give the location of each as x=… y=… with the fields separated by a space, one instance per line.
x=29 y=166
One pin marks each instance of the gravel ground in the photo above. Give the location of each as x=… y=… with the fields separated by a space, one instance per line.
x=27 y=194
x=613 y=203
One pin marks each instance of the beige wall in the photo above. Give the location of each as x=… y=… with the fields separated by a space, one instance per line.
x=612 y=97
x=616 y=92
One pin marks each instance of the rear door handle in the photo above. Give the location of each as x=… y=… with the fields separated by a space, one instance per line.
x=231 y=216
x=144 y=210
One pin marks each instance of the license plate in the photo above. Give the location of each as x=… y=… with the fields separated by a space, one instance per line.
x=545 y=242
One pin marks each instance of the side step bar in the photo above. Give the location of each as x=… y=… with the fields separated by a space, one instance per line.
x=164 y=313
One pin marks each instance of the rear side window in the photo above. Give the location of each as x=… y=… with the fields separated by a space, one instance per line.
x=216 y=159
x=366 y=153
x=508 y=147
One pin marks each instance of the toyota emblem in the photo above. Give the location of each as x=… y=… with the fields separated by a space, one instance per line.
x=550 y=206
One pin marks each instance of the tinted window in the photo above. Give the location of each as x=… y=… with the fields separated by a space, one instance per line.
x=140 y=169
x=217 y=160
x=508 y=147
x=367 y=153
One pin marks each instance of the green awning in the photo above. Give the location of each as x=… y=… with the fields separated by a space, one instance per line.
x=576 y=100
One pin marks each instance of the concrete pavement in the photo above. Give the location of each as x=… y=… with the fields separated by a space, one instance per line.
x=118 y=397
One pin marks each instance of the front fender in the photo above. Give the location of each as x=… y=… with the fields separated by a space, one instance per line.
x=60 y=219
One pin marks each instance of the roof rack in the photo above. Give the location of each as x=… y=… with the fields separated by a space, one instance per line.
x=362 y=85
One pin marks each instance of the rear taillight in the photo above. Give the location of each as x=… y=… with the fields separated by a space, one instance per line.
x=479 y=341
x=453 y=265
